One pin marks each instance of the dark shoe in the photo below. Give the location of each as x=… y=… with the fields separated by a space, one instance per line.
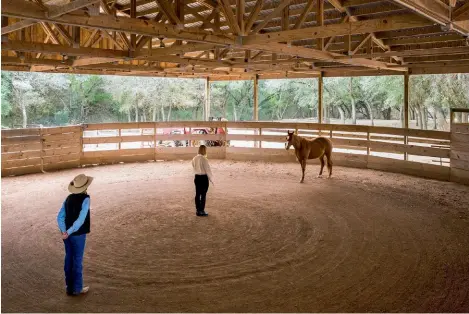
x=203 y=214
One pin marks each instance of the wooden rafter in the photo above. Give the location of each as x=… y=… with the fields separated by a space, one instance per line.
x=253 y=15
x=462 y=13
x=274 y=13
x=436 y=11
x=301 y=19
x=229 y=15
x=166 y=8
x=338 y=5
x=69 y=7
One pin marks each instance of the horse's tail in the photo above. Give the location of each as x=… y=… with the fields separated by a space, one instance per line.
x=328 y=153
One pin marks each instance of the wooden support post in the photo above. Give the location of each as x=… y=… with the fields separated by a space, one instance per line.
x=256 y=98
x=207 y=99
x=320 y=90
x=82 y=130
x=406 y=109
x=256 y=104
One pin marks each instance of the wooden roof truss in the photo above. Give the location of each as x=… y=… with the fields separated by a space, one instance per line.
x=236 y=39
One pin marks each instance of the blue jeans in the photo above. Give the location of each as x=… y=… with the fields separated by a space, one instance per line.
x=74 y=250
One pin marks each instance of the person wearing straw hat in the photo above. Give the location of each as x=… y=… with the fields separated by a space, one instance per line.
x=203 y=175
x=74 y=223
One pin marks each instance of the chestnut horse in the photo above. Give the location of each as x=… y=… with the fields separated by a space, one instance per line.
x=310 y=149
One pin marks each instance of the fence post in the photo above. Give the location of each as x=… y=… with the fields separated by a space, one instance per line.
x=42 y=149
x=406 y=111
x=260 y=133
x=154 y=140
x=82 y=130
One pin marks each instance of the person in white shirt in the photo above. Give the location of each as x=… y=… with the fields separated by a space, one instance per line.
x=203 y=175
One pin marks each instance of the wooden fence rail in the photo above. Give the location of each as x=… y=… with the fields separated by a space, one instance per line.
x=416 y=152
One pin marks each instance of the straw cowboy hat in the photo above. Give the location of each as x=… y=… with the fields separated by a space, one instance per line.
x=79 y=184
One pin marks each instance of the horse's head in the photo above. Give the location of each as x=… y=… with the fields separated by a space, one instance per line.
x=289 y=141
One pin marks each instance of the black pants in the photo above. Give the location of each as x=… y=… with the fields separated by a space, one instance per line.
x=201 y=188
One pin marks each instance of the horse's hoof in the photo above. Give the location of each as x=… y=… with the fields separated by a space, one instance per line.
x=319 y=176
x=329 y=177
x=302 y=181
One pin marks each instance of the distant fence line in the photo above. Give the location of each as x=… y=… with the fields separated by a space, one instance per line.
x=432 y=154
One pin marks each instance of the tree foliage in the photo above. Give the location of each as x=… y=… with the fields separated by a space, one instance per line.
x=60 y=99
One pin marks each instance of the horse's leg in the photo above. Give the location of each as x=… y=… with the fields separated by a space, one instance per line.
x=303 y=167
x=329 y=162
x=322 y=166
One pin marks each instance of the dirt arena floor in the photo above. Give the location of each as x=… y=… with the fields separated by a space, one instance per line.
x=361 y=241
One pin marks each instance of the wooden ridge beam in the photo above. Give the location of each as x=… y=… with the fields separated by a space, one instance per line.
x=28 y=10
x=396 y=22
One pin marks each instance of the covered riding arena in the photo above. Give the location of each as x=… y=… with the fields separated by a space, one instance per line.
x=387 y=233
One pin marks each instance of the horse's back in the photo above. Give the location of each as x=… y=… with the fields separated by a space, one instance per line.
x=319 y=146
x=323 y=141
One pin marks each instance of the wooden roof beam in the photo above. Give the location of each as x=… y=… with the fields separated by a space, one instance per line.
x=28 y=10
x=408 y=53
x=396 y=22
x=321 y=55
x=17 y=26
x=436 y=11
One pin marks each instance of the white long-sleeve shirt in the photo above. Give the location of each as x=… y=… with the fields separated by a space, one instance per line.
x=201 y=166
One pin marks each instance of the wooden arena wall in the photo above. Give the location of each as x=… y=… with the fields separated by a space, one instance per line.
x=409 y=151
